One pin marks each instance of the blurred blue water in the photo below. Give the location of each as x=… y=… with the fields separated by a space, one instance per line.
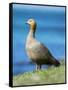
x=50 y=32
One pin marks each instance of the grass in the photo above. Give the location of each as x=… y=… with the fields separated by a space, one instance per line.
x=49 y=76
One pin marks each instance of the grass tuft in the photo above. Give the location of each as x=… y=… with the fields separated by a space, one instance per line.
x=52 y=75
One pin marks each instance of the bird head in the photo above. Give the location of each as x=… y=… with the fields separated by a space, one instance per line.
x=32 y=24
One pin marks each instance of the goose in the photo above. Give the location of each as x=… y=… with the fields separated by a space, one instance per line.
x=36 y=51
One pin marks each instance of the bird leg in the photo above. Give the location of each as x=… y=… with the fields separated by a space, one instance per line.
x=38 y=67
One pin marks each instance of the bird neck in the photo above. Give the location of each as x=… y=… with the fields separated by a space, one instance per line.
x=31 y=33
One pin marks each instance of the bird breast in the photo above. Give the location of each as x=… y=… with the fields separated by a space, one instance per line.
x=31 y=48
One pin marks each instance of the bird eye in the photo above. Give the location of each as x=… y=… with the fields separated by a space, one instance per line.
x=30 y=20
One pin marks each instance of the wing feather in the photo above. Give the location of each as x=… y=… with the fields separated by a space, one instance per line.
x=41 y=52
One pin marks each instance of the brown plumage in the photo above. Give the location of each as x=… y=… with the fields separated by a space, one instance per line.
x=36 y=51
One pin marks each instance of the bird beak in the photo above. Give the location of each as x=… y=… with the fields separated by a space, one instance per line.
x=27 y=22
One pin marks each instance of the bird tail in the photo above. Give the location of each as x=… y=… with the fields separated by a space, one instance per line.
x=56 y=63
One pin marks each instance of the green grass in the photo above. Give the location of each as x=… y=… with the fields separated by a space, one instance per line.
x=49 y=76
